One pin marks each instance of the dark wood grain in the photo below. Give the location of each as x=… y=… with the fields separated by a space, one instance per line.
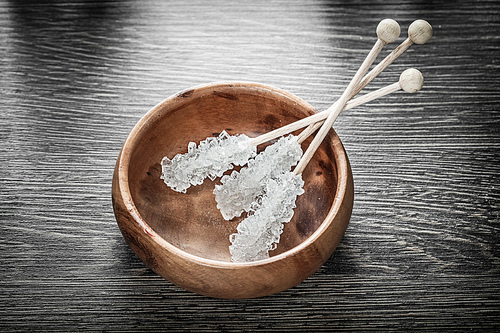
x=422 y=249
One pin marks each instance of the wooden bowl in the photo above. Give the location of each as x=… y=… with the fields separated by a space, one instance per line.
x=183 y=237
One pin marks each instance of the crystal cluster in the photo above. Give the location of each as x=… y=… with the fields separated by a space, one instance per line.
x=240 y=189
x=211 y=158
x=260 y=232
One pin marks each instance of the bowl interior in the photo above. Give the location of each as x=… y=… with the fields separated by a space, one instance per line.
x=191 y=221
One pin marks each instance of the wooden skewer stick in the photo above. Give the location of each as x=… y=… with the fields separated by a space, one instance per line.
x=419 y=32
x=386 y=33
x=411 y=80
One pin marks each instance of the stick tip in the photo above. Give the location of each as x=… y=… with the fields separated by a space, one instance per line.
x=420 y=32
x=411 y=80
x=388 y=30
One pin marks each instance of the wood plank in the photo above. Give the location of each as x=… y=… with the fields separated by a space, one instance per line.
x=421 y=252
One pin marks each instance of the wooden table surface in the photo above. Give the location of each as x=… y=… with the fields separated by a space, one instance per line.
x=422 y=249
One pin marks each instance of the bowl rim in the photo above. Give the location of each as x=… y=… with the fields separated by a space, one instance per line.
x=123 y=167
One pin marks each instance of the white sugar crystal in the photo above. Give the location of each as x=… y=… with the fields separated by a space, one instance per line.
x=240 y=189
x=260 y=232
x=211 y=158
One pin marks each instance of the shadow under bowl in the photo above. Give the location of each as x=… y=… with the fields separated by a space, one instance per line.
x=182 y=236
